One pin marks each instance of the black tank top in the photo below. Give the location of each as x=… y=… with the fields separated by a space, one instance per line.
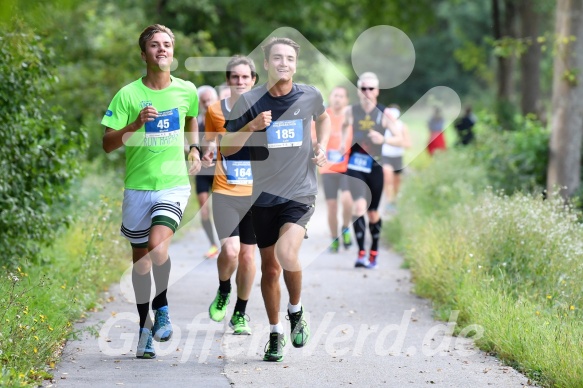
x=362 y=123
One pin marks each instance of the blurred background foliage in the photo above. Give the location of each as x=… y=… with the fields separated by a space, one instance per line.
x=84 y=51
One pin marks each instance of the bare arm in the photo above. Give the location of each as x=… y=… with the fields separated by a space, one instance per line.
x=232 y=142
x=390 y=124
x=209 y=150
x=345 y=124
x=112 y=139
x=209 y=141
x=323 y=128
x=191 y=135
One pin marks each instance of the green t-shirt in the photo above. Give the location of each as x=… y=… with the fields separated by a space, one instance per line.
x=155 y=152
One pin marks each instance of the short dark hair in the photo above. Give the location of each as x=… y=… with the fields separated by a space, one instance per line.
x=149 y=32
x=237 y=60
x=274 y=40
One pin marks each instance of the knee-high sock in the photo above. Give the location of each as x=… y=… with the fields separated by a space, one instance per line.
x=161 y=275
x=142 y=285
x=359 y=231
x=208 y=229
x=375 y=231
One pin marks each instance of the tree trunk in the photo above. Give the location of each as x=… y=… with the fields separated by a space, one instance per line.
x=504 y=26
x=530 y=60
x=567 y=120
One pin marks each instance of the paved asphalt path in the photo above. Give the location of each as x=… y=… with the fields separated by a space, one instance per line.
x=368 y=329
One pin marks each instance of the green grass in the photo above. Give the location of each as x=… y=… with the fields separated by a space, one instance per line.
x=41 y=303
x=511 y=264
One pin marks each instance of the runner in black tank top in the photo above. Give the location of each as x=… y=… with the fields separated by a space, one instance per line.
x=369 y=120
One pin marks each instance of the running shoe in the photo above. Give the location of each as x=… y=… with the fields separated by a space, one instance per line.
x=145 y=347
x=361 y=260
x=239 y=324
x=372 y=260
x=218 y=309
x=274 y=347
x=212 y=253
x=300 y=331
x=334 y=246
x=162 y=328
x=346 y=238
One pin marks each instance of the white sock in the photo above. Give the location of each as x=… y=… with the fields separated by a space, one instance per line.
x=294 y=308
x=277 y=328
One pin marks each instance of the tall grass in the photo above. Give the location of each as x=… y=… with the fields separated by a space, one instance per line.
x=511 y=264
x=40 y=303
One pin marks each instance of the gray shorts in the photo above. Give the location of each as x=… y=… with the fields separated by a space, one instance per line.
x=332 y=183
x=394 y=161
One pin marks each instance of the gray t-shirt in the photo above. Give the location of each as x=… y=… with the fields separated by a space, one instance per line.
x=280 y=154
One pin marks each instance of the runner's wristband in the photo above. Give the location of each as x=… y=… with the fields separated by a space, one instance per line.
x=197 y=146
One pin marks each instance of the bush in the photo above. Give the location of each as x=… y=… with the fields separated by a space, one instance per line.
x=516 y=159
x=39 y=155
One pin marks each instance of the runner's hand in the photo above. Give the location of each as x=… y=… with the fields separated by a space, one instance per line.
x=208 y=156
x=147 y=114
x=376 y=137
x=262 y=121
x=194 y=162
x=319 y=158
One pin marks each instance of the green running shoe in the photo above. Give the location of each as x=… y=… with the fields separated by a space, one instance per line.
x=334 y=246
x=239 y=324
x=346 y=238
x=218 y=309
x=300 y=332
x=274 y=347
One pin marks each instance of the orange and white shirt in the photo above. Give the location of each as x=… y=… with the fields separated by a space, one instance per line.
x=337 y=162
x=233 y=175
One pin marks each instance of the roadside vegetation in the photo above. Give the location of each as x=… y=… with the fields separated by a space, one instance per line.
x=42 y=301
x=480 y=238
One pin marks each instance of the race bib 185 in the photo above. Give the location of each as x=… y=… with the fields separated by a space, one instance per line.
x=285 y=133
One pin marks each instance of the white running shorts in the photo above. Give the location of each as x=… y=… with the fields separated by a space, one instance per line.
x=141 y=206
